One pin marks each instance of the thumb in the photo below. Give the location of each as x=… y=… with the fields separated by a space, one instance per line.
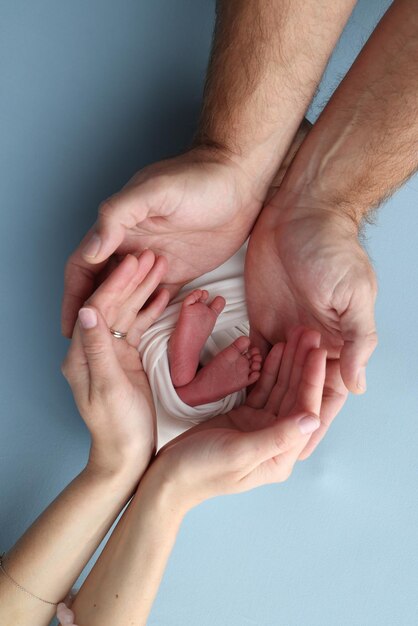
x=358 y=328
x=282 y=436
x=97 y=343
x=121 y=211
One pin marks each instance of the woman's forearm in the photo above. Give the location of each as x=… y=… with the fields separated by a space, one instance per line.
x=365 y=143
x=267 y=59
x=50 y=556
x=122 y=585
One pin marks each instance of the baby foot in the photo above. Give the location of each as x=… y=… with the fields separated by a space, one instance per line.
x=196 y=321
x=233 y=369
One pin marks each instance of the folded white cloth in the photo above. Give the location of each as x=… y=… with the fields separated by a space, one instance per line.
x=173 y=415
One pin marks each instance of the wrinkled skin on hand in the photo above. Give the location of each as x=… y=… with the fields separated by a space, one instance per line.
x=259 y=442
x=307 y=267
x=196 y=209
x=201 y=210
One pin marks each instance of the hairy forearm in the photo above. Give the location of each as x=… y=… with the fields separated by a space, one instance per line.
x=50 y=556
x=365 y=143
x=267 y=59
x=122 y=585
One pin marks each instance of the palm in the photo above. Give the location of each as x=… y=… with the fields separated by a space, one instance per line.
x=291 y=382
x=311 y=270
x=200 y=213
x=298 y=274
x=126 y=427
x=134 y=398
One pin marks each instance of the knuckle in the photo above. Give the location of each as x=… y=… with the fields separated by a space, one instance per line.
x=151 y=317
x=107 y=207
x=281 y=442
x=95 y=351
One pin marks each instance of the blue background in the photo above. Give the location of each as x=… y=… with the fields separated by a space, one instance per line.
x=91 y=92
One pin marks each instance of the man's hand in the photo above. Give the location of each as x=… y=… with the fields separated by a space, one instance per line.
x=257 y=443
x=305 y=262
x=311 y=265
x=197 y=209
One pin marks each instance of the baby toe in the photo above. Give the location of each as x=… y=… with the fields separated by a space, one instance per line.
x=253 y=377
x=242 y=344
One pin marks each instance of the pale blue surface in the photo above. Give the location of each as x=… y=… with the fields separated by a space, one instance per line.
x=90 y=92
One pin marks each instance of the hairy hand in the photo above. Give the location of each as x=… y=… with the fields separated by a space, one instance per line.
x=196 y=209
x=308 y=267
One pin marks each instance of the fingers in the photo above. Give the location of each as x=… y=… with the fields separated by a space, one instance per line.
x=311 y=385
x=64 y=614
x=333 y=398
x=147 y=316
x=79 y=280
x=358 y=330
x=124 y=292
x=97 y=342
x=277 y=394
x=118 y=287
x=122 y=211
x=75 y=367
x=149 y=279
x=307 y=341
x=281 y=437
x=122 y=295
x=308 y=400
x=259 y=395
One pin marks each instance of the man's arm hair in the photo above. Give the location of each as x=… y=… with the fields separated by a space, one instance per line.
x=267 y=59
x=365 y=143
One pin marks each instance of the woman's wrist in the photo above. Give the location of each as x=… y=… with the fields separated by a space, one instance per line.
x=125 y=468
x=122 y=481
x=160 y=491
x=68 y=532
x=134 y=557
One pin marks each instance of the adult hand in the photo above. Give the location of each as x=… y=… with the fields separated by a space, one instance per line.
x=105 y=373
x=197 y=209
x=305 y=265
x=257 y=443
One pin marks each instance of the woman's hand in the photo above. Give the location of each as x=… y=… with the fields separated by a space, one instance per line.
x=105 y=373
x=259 y=442
x=305 y=265
x=196 y=209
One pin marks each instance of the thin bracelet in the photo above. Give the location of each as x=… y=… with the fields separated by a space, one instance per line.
x=20 y=586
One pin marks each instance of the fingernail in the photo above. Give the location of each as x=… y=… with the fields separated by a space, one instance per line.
x=308 y=424
x=93 y=246
x=88 y=318
x=361 y=379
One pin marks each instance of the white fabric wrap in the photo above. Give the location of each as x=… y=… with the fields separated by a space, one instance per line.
x=173 y=415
